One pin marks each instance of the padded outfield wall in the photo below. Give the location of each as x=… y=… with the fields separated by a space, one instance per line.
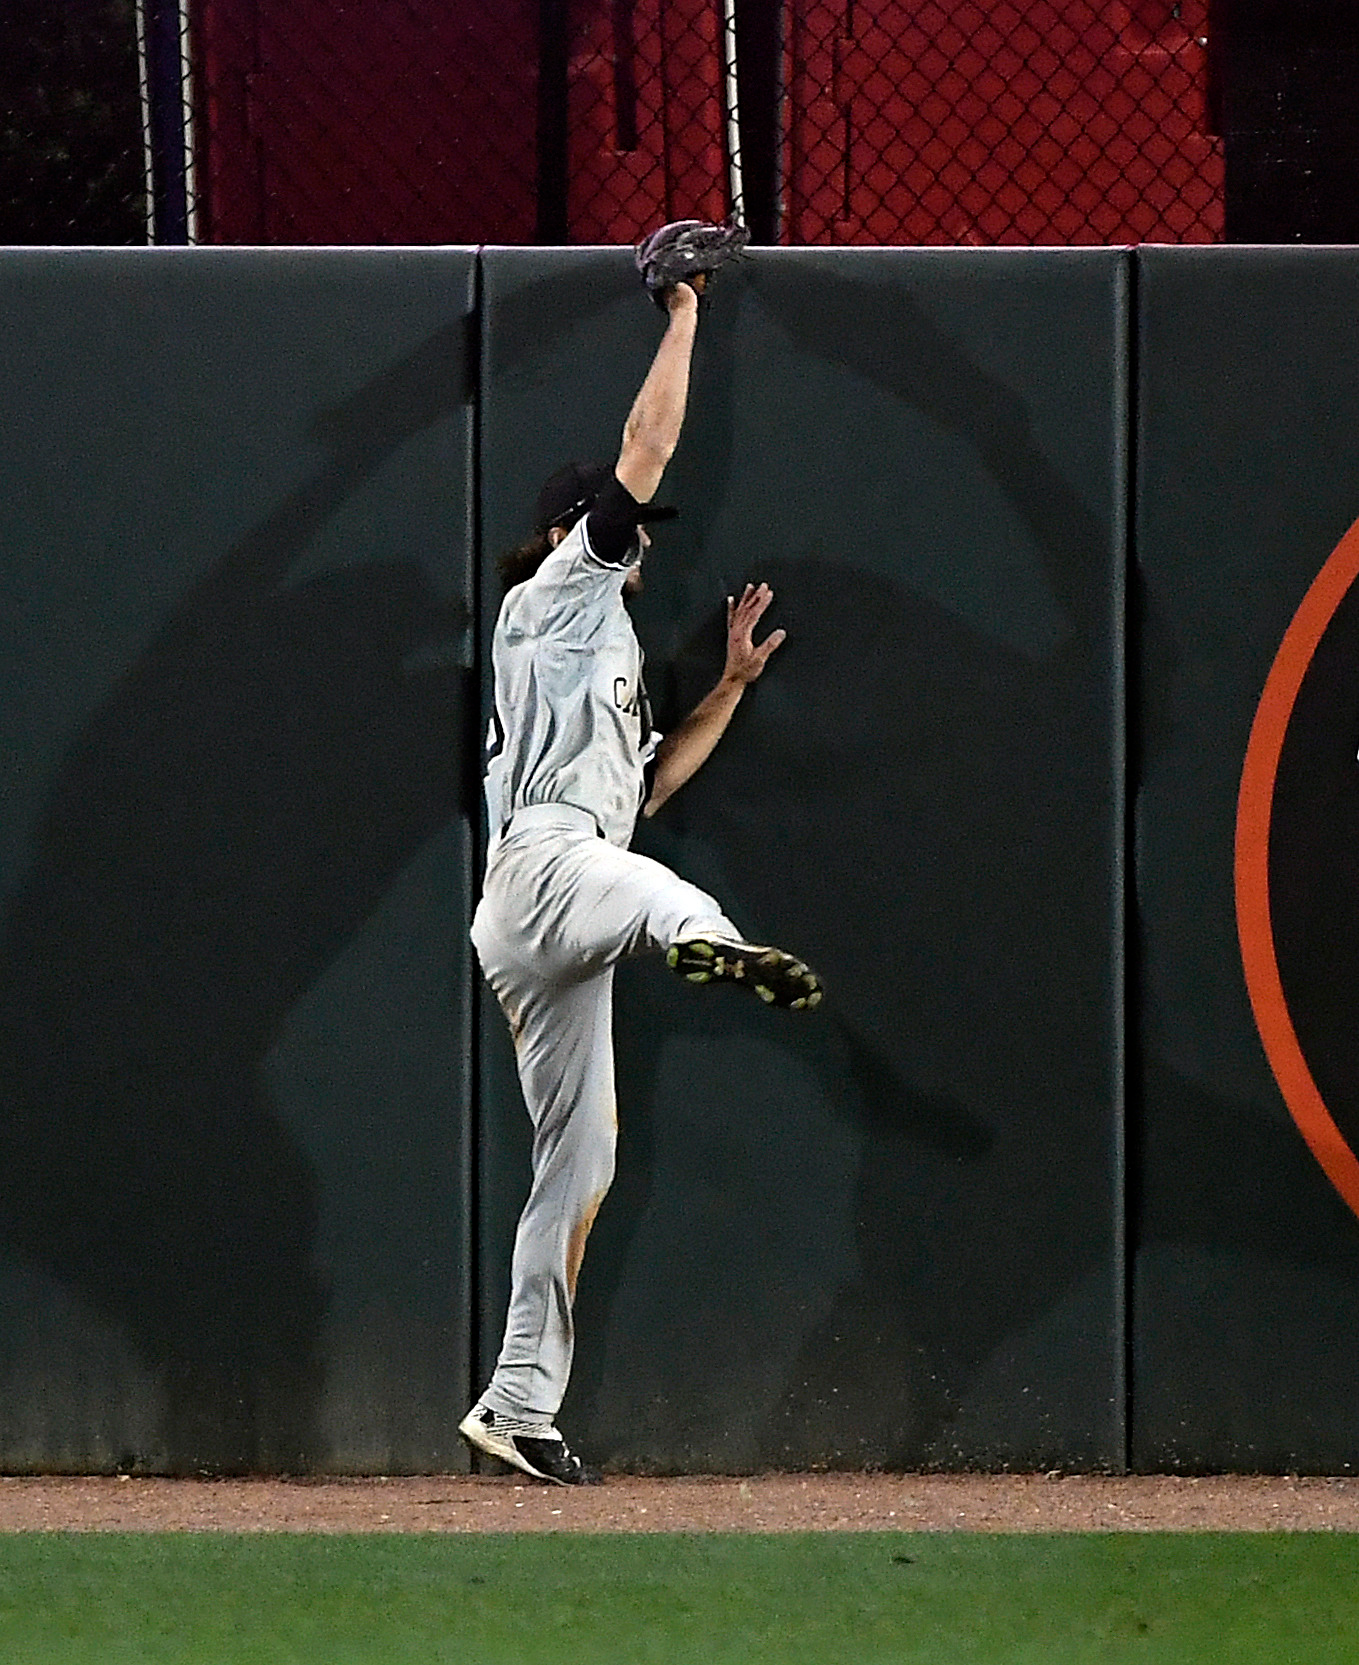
x=891 y=1234
x=1025 y=1193
x=235 y=1008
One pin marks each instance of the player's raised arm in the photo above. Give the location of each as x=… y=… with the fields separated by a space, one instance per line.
x=675 y=264
x=652 y=429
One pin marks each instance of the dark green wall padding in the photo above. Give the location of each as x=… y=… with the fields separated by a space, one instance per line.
x=1246 y=1288
x=234 y=1021
x=261 y=1148
x=888 y=1233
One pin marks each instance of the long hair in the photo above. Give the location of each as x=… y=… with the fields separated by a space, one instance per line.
x=521 y=562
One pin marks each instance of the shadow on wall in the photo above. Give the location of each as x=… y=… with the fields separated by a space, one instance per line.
x=215 y=834
x=964 y=1038
x=902 y=802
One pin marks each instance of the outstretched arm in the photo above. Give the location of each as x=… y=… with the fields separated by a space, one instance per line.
x=652 y=430
x=685 y=751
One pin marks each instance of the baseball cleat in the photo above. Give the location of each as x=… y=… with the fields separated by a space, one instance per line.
x=775 y=977
x=535 y=1448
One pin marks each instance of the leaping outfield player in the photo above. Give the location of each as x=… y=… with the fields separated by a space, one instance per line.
x=572 y=761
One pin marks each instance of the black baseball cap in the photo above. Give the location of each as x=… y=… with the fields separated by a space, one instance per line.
x=570 y=492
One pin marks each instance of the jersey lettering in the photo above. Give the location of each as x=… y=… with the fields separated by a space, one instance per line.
x=628 y=701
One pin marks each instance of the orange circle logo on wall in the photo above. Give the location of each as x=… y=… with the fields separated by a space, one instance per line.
x=1297 y=868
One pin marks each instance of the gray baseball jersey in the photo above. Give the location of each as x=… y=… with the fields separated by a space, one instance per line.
x=571 y=724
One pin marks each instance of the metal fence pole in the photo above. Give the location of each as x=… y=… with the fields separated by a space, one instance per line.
x=162 y=39
x=732 y=102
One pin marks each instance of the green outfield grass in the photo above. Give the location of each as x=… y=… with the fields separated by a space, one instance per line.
x=851 y=1599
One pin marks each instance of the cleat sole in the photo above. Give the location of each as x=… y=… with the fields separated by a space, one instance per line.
x=776 y=978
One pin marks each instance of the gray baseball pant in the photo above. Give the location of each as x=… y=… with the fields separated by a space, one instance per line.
x=559 y=908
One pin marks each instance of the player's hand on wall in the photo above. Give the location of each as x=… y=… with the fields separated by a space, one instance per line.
x=747 y=659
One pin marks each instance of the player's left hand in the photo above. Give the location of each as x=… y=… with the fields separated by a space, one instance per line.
x=746 y=659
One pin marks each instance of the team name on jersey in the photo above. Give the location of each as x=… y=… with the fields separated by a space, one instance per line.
x=628 y=700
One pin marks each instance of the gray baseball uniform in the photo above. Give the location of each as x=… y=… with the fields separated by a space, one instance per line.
x=564 y=899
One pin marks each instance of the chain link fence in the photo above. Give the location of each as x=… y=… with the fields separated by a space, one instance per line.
x=391 y=121
x=591 y=121
x=1000 y=121
x=72 y=166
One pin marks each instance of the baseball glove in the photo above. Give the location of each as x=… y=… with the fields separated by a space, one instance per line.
x=684 y=250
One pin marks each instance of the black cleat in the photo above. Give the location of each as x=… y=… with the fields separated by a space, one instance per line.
x=777 y=978
x=531 y=1447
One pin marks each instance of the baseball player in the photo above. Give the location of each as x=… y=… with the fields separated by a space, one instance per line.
x=572 y=760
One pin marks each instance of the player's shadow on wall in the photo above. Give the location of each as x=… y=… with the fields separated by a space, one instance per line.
x=898 y=804
x=934 y=884
x=214 y=835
